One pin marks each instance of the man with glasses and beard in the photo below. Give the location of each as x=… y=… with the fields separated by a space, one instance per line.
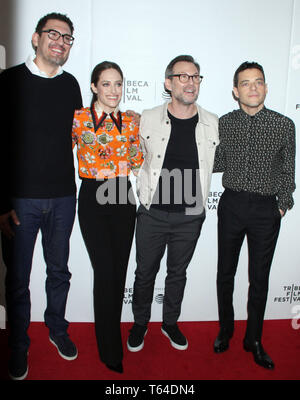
x=38 y=100
x=179 y=139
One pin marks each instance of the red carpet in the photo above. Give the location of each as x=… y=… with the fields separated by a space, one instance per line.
x=159 y=361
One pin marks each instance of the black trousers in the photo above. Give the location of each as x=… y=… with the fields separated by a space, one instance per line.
x=258 y=218
x=157 y=231
x=107 y=231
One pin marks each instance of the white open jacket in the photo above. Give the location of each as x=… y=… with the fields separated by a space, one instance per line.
x=155 y=130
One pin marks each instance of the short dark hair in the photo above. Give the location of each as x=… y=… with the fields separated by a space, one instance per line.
x=169 y=69
x=246 y=65
x=97 y=71
x=61 y=17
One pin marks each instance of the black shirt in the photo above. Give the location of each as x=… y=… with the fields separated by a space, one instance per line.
x=257 y=154
x=176 y=189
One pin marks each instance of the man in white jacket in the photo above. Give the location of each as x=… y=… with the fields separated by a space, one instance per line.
x=179 y=139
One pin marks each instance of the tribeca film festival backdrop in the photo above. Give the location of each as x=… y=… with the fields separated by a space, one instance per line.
x=142 y=37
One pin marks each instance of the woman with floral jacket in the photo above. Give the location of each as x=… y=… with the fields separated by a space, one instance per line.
x=108 y=149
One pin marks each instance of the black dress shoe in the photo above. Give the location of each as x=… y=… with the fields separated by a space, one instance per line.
x=222 y=342
x=260 y=356
x=116 y=368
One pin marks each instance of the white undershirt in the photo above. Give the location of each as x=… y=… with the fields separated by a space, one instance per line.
x=34 y=69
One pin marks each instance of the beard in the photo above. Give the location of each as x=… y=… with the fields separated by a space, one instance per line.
x=184 y=98
x=57 y=59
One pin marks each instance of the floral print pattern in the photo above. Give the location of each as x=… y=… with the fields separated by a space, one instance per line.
x=106 y=153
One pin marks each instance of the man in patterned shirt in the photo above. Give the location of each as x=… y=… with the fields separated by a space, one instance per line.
x=257 y=155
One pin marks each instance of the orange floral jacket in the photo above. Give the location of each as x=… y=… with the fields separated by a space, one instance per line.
x=106 y=147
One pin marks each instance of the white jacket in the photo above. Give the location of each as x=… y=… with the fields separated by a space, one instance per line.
x=155 y=130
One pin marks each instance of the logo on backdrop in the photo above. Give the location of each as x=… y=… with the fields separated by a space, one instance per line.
x=289 y=294
x=159 y=298
x=135 y=90
x=138 y=91
x=213 y=200
x=128 y=293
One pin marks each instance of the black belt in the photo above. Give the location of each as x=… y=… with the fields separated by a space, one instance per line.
x=250 y=195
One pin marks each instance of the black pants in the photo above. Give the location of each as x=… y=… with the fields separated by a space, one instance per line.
x=258 y=218
x=107 y=231
x=157 y=231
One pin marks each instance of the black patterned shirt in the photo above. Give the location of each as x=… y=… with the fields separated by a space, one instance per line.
x=257 y=154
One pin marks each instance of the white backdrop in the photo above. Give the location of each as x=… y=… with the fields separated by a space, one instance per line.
x=142 y=37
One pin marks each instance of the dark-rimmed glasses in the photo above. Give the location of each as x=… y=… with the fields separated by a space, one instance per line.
x=184 y=78
x=55 y=35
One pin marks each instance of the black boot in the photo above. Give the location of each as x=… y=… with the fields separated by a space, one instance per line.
x=260 y=356
x=222 y=341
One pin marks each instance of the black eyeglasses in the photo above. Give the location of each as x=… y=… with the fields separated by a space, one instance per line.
x=184 y=78
x=55 y=35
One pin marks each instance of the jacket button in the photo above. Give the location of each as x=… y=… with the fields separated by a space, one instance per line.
x=148 y=137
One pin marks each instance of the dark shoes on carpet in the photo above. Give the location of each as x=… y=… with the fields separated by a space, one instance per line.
x=222 y=341
x=177 y=339
x=135 y=340
x=260 y=356
x=65 y=347
x=18 y=365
